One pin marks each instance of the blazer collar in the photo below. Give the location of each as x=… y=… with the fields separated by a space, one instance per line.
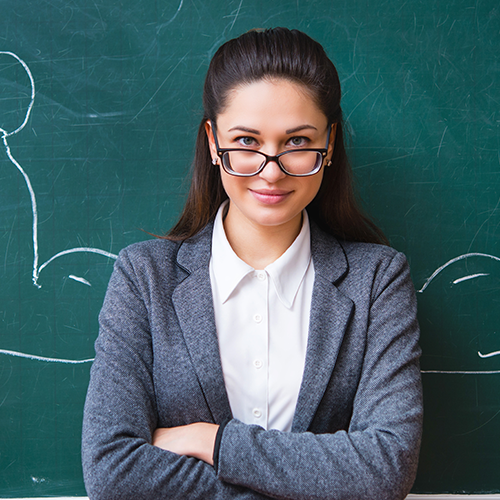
x=330 y=260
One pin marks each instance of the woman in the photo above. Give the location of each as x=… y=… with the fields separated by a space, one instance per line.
x=261 y=349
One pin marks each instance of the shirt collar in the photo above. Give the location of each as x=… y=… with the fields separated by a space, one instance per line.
x=286 y=273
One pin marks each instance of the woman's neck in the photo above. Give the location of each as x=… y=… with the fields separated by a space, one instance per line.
x=259 y=245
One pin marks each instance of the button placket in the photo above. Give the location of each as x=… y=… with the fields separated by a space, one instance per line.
x=257 y=406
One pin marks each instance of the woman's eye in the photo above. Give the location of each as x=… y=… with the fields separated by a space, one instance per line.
x=246 y=141
x=297 y=142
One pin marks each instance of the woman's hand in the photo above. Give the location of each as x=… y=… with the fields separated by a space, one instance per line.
x=193 y=440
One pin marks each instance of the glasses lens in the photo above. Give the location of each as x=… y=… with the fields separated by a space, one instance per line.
x=243 y=162
x=301 y=162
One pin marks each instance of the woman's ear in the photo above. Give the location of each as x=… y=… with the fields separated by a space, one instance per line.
x=211 y=141
x=331 y=142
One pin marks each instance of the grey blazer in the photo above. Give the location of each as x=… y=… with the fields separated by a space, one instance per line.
x=357 y=425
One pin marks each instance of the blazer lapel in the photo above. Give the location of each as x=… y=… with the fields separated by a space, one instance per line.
x=193 y=304
x=329 y=317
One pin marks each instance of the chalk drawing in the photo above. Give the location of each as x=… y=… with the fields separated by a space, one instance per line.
x=37 y=269
x=452 y=261
x=460 y=280
x=5 y=135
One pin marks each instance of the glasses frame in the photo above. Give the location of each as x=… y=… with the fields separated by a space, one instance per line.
x=276 y=158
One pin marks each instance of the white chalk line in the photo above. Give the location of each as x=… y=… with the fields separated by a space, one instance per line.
x=452 y=261
x=489 y=355
x=472 y=276
x=5 y=135
x=78 y=362
x=44 y=359
x=77 y=250
x=459 y=372
x=80 y=279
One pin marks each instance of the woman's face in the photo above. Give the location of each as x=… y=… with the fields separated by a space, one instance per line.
x=271 y=116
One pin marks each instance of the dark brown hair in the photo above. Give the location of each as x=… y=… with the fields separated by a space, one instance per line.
x=294 y=56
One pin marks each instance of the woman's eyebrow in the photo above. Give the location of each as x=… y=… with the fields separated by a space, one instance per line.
x=299 y=128
x=257 y=132
x=245 y=129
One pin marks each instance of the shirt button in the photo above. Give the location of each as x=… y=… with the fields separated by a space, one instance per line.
x=257 y=363
x=257 y=413
x=257 y=318
x=261 y=276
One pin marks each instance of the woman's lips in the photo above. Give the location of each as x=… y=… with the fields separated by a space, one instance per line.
x=270 y=196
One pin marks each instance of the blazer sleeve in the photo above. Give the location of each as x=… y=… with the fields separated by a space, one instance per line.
x=376 y=457
x=120 y=414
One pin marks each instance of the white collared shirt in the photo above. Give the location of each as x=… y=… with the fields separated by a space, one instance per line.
x=262 y=320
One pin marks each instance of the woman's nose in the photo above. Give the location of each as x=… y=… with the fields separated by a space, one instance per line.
x=272 y=172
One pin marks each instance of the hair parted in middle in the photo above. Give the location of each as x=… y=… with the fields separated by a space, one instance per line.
x=272 y=54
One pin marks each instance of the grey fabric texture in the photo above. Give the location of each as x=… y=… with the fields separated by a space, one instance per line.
x=357 y=426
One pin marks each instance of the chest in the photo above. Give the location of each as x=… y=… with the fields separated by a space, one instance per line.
x=187 y=368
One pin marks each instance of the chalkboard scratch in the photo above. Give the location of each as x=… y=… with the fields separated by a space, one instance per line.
x=46 y=360
x=236 y=15
x=443 y=22
x=384 y=161
x=485 y=222
x=3 y=400
x=442 y=139
x=489 y=355
x=99 y=12
x=410 y=209
x=376 y=99
x=451 y=27
x=159 y=88
x=159 y=28
x=5 y=135
x=456 y=259
x=354 y=73
x=364 y=98
x=481 y=426
x=8 y=242
x=470 y=277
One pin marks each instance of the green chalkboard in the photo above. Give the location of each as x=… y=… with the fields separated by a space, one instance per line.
x=99 y=104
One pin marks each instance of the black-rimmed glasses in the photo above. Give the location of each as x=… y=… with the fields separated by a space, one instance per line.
x=248 y=162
